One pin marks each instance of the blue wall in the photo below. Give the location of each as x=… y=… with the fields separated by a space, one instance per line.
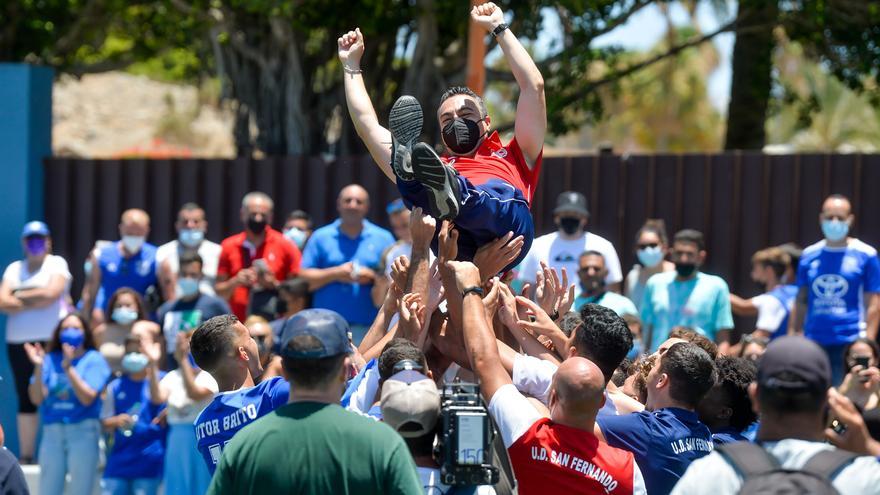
x=25 y=140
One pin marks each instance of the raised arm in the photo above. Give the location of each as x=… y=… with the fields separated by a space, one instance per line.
x=363 y=115
x=531 y=109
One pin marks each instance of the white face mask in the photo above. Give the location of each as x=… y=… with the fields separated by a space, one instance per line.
x=133 y=243
x=191 y=237
x=188 y=286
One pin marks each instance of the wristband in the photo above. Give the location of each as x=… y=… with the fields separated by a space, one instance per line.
x=351 y=71
x=473 y=290
x=500 y=29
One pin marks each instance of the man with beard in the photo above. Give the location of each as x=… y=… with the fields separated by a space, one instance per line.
x=592 y=274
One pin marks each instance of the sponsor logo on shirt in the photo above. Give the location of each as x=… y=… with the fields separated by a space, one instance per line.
x=830 y=289
x=502 y=153
x=577 y=465
x=691 y=444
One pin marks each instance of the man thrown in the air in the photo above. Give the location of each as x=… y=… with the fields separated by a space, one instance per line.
x=483 y=186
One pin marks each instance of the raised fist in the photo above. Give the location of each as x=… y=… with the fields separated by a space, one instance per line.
x=351 y=49
x=487 y=15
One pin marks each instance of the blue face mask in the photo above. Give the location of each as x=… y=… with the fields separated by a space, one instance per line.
x=188 y=286
x=191 y=237
x=650 y=257
x=835 y=230
x=134 y=362
x=124 y=316
x=72 y=336
x=296 y=236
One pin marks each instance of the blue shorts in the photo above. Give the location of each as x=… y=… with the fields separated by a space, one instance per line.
x=488 y=211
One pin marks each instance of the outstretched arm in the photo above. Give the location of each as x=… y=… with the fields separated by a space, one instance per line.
x=363 y=115
x=531 y=109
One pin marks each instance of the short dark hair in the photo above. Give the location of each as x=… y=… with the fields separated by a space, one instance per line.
x=690 y=370
x=694 y=337
x=569 y=322
x=297 y=286
x=187 y=258
x=464 y=90
x=212 y=341
x=300 y=215
x=691 y=236
x=397 y=350
x=592 y=252
x=190 y=206
x=604 y=338
x=794 y=253
x=735 y=374
x=622 y=372
x=310 y=373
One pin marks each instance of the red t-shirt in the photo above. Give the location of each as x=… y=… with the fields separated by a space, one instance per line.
x=553 y=458
x=281 y=256
x=495 y=161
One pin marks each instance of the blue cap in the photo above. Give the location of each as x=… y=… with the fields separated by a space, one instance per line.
x=395 y=206
x=35 y=228
x=329 y=327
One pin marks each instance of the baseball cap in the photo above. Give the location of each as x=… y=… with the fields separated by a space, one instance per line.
x=794 y=363
x=571 y=201
x=329 y=327
x=35 y=228
x=410 y=403
x=395 y=206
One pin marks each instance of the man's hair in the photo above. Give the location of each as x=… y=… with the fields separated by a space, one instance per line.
x=794 y=253
x=656 y=226
x=254 y=195
x=692 y=236
x=397 y=350
x=735 y=375
x=604 y=338
x=691 y=335
x=775 y=258
x=187 y=258
x=622 y=372
x=297 y=286
x=464 y=90
x=311 y=374
x=690 y=370
x=190 y=206
x=569 y=322
x=212 y=341
x=592 y=252
x=300 y=215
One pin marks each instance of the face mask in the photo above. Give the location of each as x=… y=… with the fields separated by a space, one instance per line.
x=256 y=226
x=188 y=286
x=569 y=225
x=650 y=257
x=685 y=270
x=35 y=246
x=134 y=362
x=462 y=136
x=295 y=236
x=124 y=316
x=835 y=230
x=72 y=336
x=132 y=243
x=191 y=237
x=593 y=284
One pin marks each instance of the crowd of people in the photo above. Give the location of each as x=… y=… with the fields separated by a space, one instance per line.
x=335 y=359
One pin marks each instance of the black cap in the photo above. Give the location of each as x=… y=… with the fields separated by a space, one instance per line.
x=571 y=202
x=795 y=364
x=329 y=327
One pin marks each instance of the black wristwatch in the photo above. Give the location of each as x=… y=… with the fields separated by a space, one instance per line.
x=475 y=290
x=499 y=29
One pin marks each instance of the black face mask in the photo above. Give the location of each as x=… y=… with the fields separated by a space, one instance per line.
x=569 y=225
x=256 y=226
x=593 y=285
x=685 y=270
x=462 y=136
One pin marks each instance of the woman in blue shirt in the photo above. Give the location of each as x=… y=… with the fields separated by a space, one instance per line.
x=66 y=385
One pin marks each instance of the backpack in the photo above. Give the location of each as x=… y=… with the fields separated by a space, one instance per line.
x=762 y=473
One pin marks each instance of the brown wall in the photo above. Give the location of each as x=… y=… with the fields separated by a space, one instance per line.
x=741 y=201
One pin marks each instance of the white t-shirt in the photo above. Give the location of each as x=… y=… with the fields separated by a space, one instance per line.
x=862 y=476
x=533 y=376
x=401 y=248
x=181 y=408
x=559 y=253
x=431 y=484
x=771 y=312
x=209 y=252
x=36 y=324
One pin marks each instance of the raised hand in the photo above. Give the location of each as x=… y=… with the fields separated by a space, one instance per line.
x=436 y=292
x=67 y=352
x=399 y=270
x=448 y=243
x=487 y=15
x=491 y=258
x=492 y=299
x=412 y=315
x=421 y=227
x=351 y=49
x=466 y=274
x=35 y=353
x=542 y=325
x=153 y=351
x=566 y=298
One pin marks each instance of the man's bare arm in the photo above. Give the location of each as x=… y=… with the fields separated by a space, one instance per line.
x=360 y=107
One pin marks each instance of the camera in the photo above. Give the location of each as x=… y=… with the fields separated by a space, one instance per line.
x=464 y=444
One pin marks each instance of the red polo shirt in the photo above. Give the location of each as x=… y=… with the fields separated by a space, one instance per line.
x=496 y=161
x=281 y=256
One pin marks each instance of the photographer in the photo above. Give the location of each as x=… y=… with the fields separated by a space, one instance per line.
x=862 y=383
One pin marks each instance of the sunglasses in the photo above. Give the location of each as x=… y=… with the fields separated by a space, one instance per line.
x=648 y=245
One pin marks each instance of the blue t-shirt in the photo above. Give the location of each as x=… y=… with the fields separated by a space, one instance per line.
x=137 y=272
x=702 y=303
x=61 y=404
x=141 y=454
x=664 y=443
x=836 y=280
x=232 y=411
x=329 y=247
x=785 y=294
x=727 y=435
x=607 y=409
x=611 y=300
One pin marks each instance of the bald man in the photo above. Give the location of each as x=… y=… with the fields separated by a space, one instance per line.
x=838 y=283
x=340 y=261
x=559 y=454
x=129 y=262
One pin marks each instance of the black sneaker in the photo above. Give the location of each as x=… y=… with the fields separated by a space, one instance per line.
x=439 y=178
x=405 y=123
